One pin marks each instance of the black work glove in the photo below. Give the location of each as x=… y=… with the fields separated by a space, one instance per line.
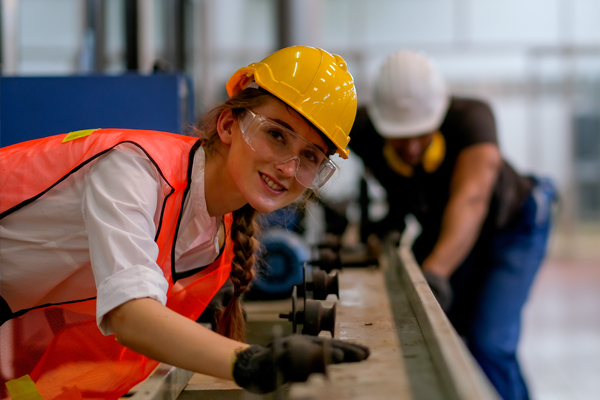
x=441 y=289
x=295 y=357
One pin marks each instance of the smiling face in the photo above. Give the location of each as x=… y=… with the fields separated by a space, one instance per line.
x=268 y=186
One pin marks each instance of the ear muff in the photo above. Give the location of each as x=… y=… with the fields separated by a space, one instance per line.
x=432 y=158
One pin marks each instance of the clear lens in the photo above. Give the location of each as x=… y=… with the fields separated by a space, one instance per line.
x=275 y=143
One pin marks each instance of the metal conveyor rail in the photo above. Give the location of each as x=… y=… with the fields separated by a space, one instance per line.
x=415 y=351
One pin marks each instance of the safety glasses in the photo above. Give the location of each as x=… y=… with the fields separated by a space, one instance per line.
x=280 y=145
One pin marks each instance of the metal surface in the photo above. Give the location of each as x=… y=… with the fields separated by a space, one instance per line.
x=415 y=352
x=458 y=374
x=363 y=316
x=165 y=383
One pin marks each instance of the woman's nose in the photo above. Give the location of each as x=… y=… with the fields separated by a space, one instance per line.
x=289 y=167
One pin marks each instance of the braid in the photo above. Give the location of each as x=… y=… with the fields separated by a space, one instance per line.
x=231 y=323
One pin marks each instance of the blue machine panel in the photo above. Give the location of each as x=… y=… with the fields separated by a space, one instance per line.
x=34 y=107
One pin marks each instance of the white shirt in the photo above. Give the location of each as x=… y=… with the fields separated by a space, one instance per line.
x=93 y=236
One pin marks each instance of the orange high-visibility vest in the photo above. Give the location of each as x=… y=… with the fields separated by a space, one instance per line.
x=59 y=345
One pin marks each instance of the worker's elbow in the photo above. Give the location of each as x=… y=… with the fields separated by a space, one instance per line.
x=118 y=321
x=472 y=196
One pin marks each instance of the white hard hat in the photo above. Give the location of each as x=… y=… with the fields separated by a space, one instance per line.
x=410 y=96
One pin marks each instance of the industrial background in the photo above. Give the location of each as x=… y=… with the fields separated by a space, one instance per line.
x=536 y=61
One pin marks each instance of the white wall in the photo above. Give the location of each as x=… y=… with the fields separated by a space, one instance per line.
x=51 y=37
x=536 y=61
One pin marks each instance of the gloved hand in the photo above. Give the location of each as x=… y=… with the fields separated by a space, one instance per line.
x=441 y=289
x=295 y=356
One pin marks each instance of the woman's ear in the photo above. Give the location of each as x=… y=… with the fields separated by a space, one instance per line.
x=225 y=123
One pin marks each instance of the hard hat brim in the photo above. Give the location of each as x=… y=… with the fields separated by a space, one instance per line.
x=398 y=128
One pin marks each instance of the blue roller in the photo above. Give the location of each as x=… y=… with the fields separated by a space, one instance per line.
x=280 y=264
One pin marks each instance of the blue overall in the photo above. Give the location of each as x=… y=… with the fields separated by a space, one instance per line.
x=489 y=297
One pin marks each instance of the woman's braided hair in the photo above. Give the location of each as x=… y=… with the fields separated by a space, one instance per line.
x=230 y=320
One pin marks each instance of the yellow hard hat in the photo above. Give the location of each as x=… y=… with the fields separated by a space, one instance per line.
x=311 y=81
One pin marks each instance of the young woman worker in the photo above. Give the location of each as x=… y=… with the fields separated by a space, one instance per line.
x=118 y=232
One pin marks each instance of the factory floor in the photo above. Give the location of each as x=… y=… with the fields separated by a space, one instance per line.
x=560 y=345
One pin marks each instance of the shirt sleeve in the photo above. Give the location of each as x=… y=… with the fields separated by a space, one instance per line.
x=119 y=207
x=472 y=122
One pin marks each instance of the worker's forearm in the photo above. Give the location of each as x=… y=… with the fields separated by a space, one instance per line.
x=149 y=328
x=476 y=170
x=461 y=225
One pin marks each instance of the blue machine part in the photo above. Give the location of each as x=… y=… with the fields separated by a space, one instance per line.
x=280 y=265
x=288 y=218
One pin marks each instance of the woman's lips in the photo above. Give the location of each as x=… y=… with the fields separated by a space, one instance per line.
x=271 y=184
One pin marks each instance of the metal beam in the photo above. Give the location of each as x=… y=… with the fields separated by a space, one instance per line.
x=461 y=378
x=284 y=23
x=96 y=16
x=131 y=35
x=9 y=57
x=175 y=34
x=146 y=54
